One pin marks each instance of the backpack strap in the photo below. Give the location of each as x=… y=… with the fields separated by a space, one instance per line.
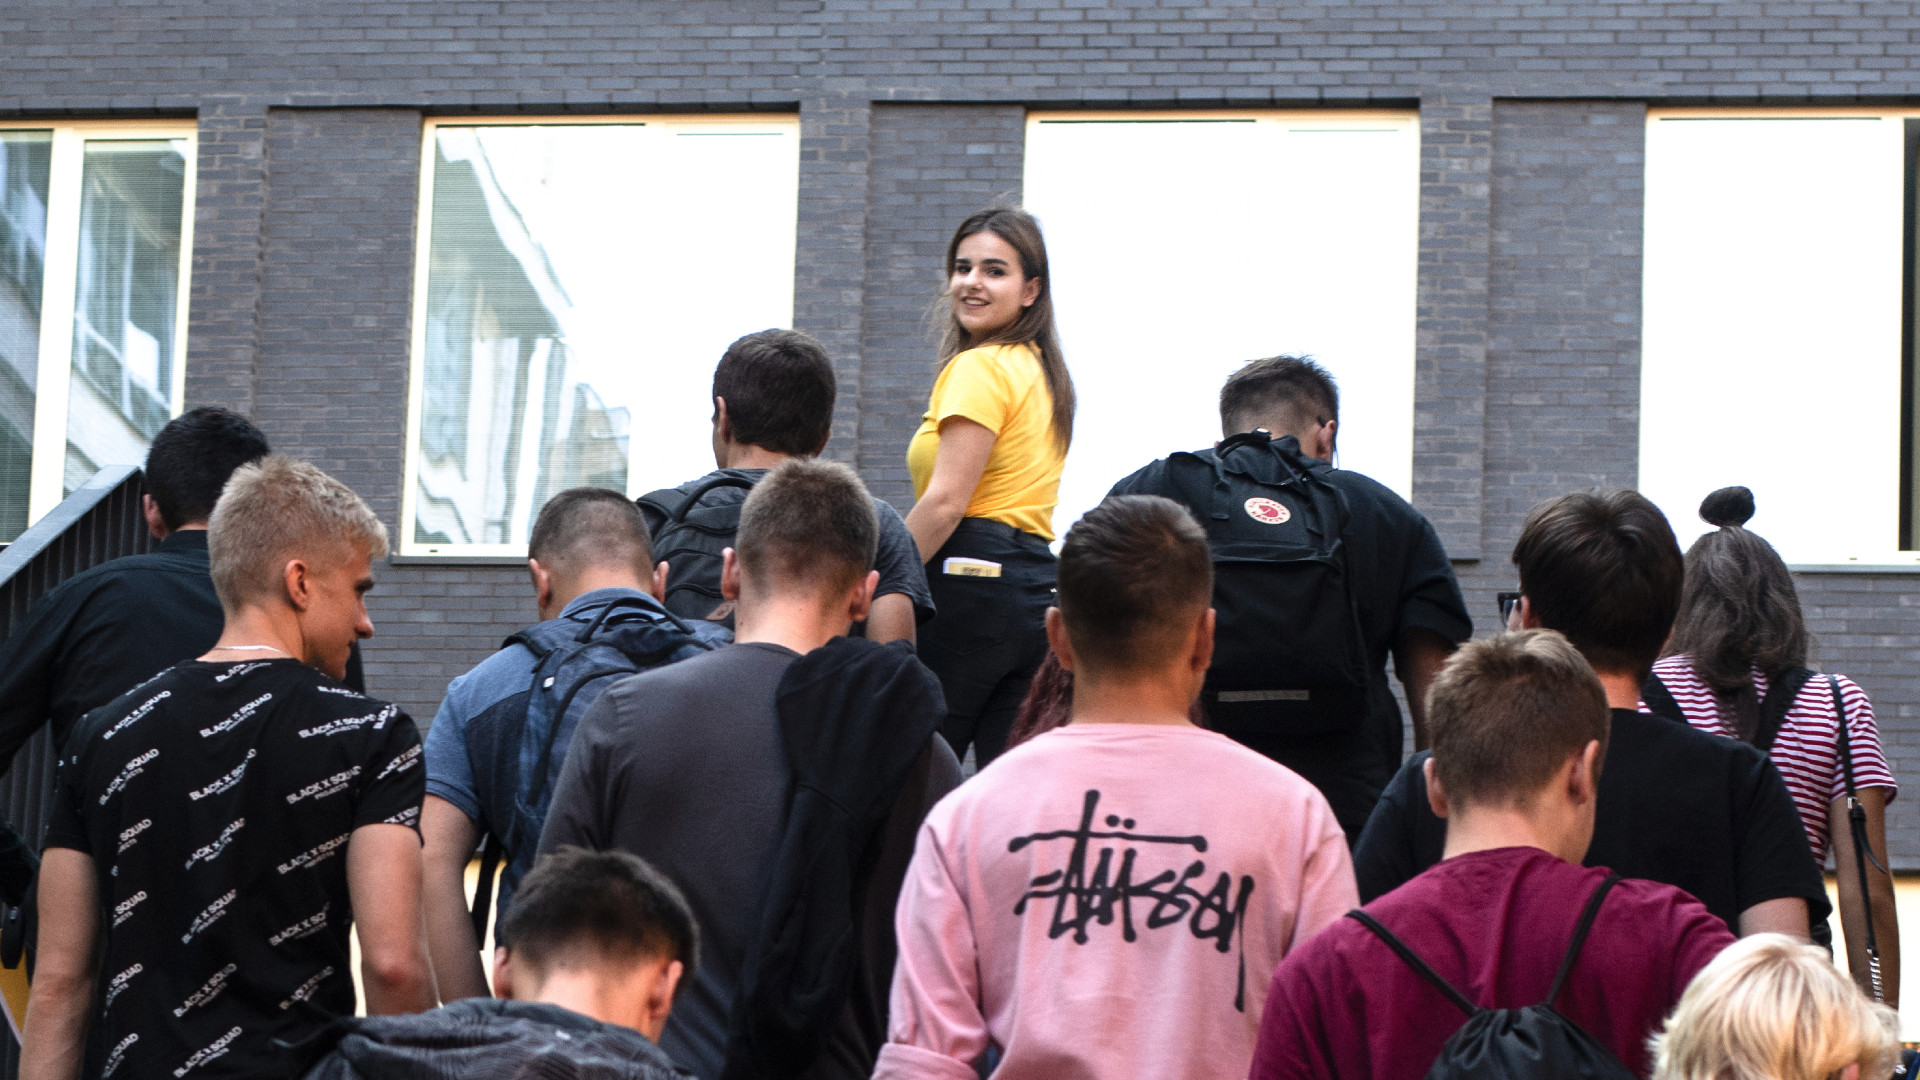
x=679 y=513
x=1660 y=699
x=1773 y=707
x=1580 y=935
x=483 y=892
x=1413 y=961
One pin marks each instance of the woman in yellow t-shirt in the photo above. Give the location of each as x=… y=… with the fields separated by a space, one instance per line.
x=986 y=475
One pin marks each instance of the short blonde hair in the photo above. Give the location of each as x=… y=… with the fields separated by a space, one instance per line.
x=1773 y=1008
x=277 y=509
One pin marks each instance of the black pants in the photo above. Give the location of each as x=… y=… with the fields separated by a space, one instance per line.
x=989 y=633
x=1351 y=768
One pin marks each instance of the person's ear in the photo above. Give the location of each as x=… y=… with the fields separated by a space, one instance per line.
x=1202 y=655
x=659 y=585
x=1436 y=794
x=156 y=524
x=729 y=574
x=1030 y=292
x=860 y=603
x=503 y=973
x=298 y=579
x=1325 y=440
x=722 y=427
x=542 y=584
x=1057 y=639
x=1583 y=774
x=660 y=999
x=1528 y=620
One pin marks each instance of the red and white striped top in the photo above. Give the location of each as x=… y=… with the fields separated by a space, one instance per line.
x=1807 y=750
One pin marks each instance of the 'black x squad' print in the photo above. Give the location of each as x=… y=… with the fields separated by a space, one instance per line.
x=217 y=801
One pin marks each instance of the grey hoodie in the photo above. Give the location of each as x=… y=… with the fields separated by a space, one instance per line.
x=490 y=1039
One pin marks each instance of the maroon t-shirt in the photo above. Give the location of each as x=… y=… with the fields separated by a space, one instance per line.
x=1495 y=924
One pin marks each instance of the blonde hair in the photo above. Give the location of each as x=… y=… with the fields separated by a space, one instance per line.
x=277 y=509
x=1773 y=1008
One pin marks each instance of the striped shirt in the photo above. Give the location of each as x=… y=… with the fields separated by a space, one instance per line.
x=1807 y=750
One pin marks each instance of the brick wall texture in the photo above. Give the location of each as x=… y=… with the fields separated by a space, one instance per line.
x=912 y=114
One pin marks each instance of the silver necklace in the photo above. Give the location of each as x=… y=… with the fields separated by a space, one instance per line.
x=251 y=648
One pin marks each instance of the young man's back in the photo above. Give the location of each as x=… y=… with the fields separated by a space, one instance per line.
x=1495 y=924
x=217 y=801
x=1109 y=900
x=684 y=767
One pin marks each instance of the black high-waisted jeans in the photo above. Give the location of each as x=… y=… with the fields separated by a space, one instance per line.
x=988 y=635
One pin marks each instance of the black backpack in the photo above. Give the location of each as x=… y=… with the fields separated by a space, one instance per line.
x=516 y=747
x=1535 y=1041
x=690 y=538
x=1288 y=654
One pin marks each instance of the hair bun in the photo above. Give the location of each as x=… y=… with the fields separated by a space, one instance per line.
x=1727 y=507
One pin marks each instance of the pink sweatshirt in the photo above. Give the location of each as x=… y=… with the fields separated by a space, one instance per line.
x=1110 y=901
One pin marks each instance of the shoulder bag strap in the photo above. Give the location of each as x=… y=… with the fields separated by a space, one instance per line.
x=1857 y=826
x=1413 y=961
x=1580 y=935
x=1660 y=699
x=1775 y=706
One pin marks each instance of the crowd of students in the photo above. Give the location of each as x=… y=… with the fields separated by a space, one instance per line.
x=721 y=778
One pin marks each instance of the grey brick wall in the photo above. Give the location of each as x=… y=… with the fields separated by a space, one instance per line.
x=931 y=166
x=911 y=112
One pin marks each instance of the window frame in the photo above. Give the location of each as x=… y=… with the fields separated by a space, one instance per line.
x=59 y=284
x=1903 y=555
x=407 y=548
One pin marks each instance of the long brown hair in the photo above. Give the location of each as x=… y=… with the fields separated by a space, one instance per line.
x=1738 y=611
x=1035 y=324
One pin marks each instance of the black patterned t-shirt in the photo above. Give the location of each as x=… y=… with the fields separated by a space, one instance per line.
x=217 y=801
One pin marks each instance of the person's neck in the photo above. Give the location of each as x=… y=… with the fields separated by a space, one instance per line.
x=748 y=456
x=1481 y=828
x=610 y=1001
x=249 y=628
x=1156 y=699
x=1623 y=690
x=802 y=623
x=592 y=579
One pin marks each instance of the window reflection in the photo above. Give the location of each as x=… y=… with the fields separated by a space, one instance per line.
x=25 y=159
x=513 y=408
x=125 y=302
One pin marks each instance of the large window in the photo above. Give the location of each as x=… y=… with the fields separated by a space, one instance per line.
x=1185 y=244
x=95 y=239
x=1773 y=303
x=576 y=284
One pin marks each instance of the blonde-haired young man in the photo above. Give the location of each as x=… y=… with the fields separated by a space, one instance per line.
x=219 y=828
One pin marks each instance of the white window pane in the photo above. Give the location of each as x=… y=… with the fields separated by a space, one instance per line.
x=581 y=283
x=1181 y=250
x=126 y=300
x=1771 y=349
x=25 y=157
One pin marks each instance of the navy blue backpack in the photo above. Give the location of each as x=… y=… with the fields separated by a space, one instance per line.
x=517 y=746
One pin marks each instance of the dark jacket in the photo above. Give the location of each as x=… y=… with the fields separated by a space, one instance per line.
x=854 y=719
x=489 y=1039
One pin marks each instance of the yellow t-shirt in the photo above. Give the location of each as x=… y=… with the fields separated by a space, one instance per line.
x=1001 y=388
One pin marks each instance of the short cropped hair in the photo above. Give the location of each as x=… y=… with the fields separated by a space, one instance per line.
x=1506 y=712
x=807 y=524
x=1605 y=570
x=192 y=458
x=277 y=509
x=1291 y=391
x=1772 y=1008
x=779 y=388
x=1133 y=574
x=590 y=526
x=580 y=908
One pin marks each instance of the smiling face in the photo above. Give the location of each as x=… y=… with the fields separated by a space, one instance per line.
x=988 y=286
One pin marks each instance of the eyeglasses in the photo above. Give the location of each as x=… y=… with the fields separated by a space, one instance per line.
x=1508 y=601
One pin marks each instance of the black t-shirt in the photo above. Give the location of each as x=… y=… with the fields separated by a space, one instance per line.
x=1402 y=580
x=897 y=557
x=217 y=801
x=1704 y=813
